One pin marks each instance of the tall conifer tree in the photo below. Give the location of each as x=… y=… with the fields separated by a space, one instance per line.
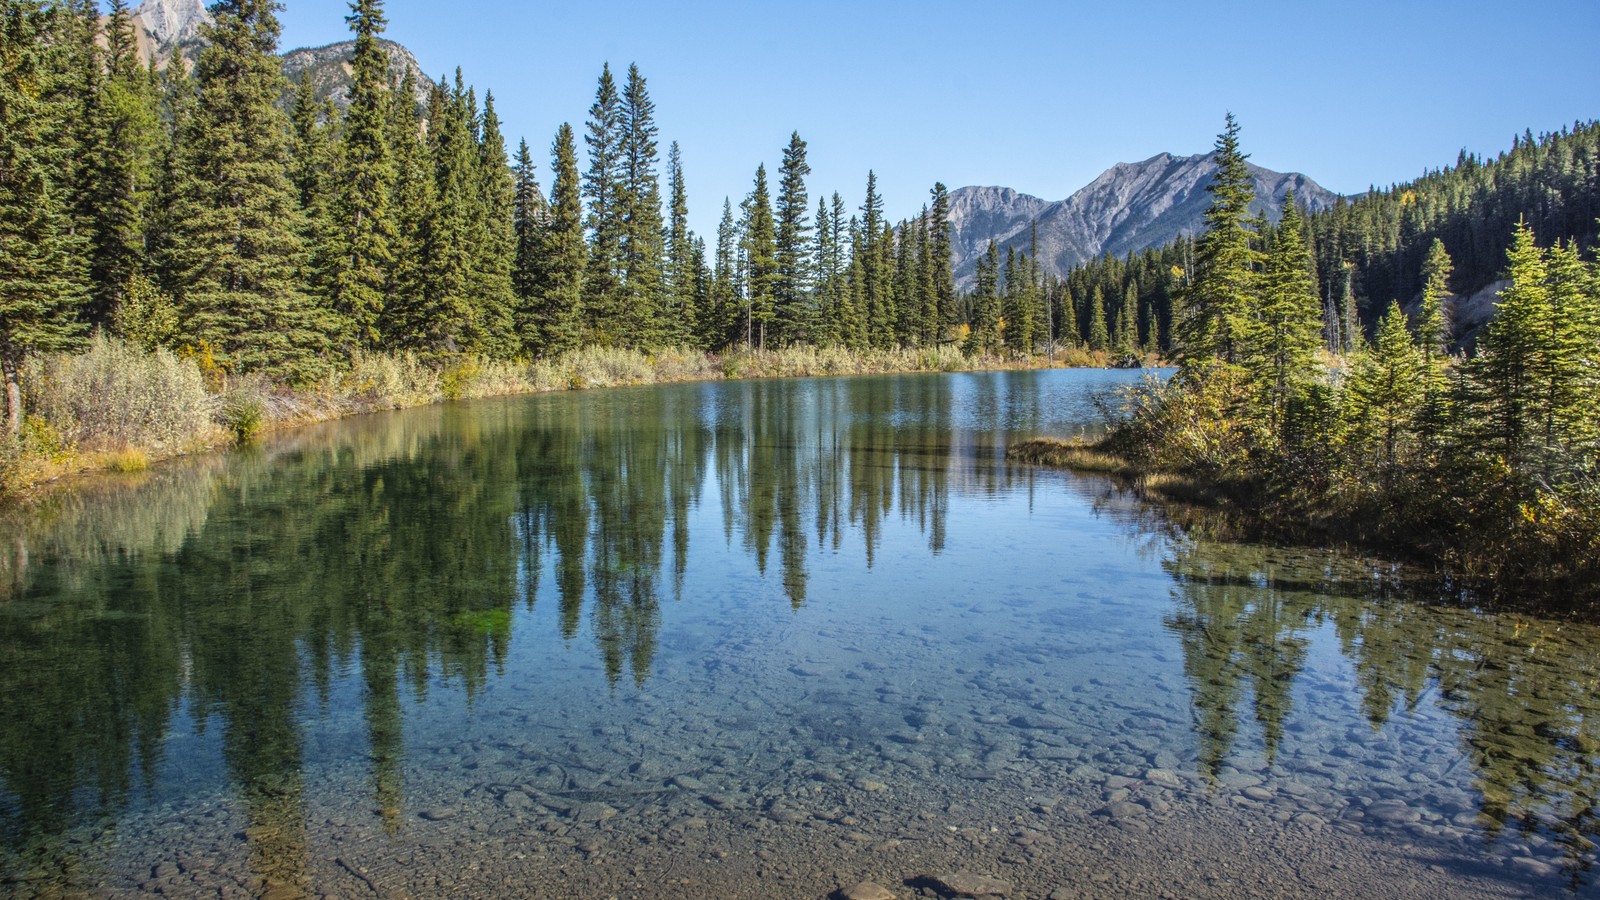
x=680 y=316
x=494 y=241
x=639 y=196
x=602 y=281
x=792 y=286
x=760 y=251
x=237 y=242
x=560 y=292
x=362 y=227
x=41 y=290
x=1226 y=258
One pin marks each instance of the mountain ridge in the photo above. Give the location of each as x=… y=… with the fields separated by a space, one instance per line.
x=1126 y=208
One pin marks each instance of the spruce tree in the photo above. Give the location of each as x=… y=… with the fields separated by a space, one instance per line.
x=1382 y=399
x=1127 y=340
x=875 y=275
x=1222 y=293
x=1018 y=307
x=362 y=228
x=791 y=287
x=939 y=243
x=237 y=244
x=127 y=137
x=442 y=322
x=41 y=288
x=412 y=201
x=560 y=292
x=602 y=280
x=639 y=199
x=493 y=241
x=717 y=326
x=1099 y=338
x=985 y=324
x=1433 y=327
x=680 y=314
x=529 y=220
x=759 y=243
x=1278 y=343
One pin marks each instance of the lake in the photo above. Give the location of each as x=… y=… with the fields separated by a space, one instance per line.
x=751 y=639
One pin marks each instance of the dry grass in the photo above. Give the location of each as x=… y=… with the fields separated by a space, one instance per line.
x=1075 y=454
x=120 y=408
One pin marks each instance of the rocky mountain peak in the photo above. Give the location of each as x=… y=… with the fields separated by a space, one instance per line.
x=165 y=27
x=1127 y=208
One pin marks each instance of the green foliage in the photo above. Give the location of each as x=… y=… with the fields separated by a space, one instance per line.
x=791 y=283
x=1221 y=298
x=759 y=245
x=237 y=251
x=116 y=394
x=146 y=316
x=243 y=412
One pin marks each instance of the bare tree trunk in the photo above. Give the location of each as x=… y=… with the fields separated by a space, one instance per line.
x=8 y=364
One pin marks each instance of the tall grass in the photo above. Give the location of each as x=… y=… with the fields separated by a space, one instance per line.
x=115 y=396
x=116 y=406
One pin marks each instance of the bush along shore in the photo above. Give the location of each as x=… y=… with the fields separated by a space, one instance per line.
x=1485 y=466
x=119 y=407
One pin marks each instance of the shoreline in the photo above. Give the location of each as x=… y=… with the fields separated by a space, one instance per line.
x=278 y=408
x=1243 y=510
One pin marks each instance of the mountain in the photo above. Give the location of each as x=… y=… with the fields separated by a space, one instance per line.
x=1131 y=206
x=332 y=76
x=165 y=28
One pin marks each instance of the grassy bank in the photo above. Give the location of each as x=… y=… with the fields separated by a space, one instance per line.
x=115 y=407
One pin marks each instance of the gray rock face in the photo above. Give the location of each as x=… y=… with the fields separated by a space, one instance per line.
x=168 y=28
x=164 y=28
x=1131 y=206
x=332 y=76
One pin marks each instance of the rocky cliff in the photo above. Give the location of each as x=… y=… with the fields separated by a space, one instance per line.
x=1130 y=206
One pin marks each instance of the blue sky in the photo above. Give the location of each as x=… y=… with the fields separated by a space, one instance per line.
x=1037 y=96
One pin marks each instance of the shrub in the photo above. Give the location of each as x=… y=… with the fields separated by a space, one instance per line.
x=243 y=410
x=115 y=395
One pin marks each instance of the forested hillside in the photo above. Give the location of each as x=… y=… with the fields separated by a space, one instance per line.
x=1372 y=250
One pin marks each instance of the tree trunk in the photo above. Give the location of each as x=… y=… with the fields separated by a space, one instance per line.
x=8 y=364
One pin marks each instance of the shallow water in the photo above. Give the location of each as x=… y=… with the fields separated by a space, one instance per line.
x=750 y=639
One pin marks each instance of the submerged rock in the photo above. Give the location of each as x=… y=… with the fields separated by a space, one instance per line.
x=968 y=884
x=866 y=890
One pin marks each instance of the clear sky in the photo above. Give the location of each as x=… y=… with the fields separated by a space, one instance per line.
x=1037 y=96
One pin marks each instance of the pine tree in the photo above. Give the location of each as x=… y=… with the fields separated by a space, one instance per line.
x=791 y=286
x=362 y=229
x=759 y=243
x=1222 y=293
x=680 y=323
x=1099 y=337
x=1514 y=371
x=413 y=202
x=127 y=135
x=602 y=280
x=1382 y=399
x=1279 y=343
x=493 y=241
x=530 y=218
x=944 y=282
x=237 y=244
x=875 y=275
x=560 y=293
x=1433 y=328
x=718 y=326
x=41 y=290
x=639 y=199
x=985 y=333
